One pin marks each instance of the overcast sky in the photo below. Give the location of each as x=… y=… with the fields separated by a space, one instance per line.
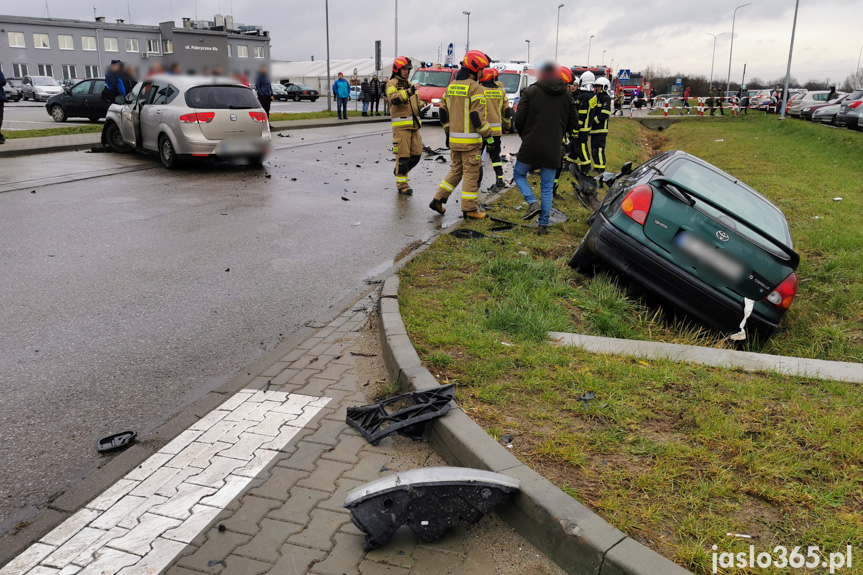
x=635 y=33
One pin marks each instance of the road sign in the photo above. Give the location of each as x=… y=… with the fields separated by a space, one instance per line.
x=378 y=63
x=623 y=75
x=449 y=52
x=679 y=81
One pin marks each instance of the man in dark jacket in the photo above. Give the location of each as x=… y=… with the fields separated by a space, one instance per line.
x=264 y=87
x=375 y=86
x=546 y=111
x=366 y=95
x=2 y=104
x=114 y=82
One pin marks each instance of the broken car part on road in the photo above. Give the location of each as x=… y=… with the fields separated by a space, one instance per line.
x=405 y=414
x=116 y=441
x=428 y=500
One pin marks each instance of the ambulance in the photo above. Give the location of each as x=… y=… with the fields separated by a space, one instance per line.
x=515 y=77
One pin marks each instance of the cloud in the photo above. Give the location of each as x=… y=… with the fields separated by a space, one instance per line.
x=635 y=33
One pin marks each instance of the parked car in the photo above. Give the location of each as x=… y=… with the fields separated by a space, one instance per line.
x=698 y=238
x=809 y=99
x=280 y=92
x=12 y=93
x=849 y=110
x=826 y=114
x=17 y=84
x=39 y=88
x=69 y=82
x=185 y=117
x=854 y=119
x=759 y=97
x=297 y=92
x=83 y=100
x=807 y=112
x=356 y=92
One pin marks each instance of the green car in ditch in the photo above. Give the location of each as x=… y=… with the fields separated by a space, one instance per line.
x=698 y=238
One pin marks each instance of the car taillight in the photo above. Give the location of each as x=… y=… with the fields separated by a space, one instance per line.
x=258 y=116
x=855 y=105
x=636 y=204
x=784 y=293
x=199 y=117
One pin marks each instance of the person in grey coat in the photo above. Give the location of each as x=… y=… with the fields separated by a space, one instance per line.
x=366 y=95
x=377 y=91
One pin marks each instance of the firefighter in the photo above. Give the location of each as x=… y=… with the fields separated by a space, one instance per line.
x=599 y=123
x=406 y=111
x=463 y=116
x=498 y=114
x=586 y=101
x=570 y=81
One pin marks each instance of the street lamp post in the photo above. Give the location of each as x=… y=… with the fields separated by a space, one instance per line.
x=857 y=71
x=713 y=59
x=731 y=51
x=397 y=29
x=589 y=41
x=612 y=64
x=603 y=58
x=788 y=70
x=466 y=13
x=329 y=76
x=557 y=34
x=528 y=51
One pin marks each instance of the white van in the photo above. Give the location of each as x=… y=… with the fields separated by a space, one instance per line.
x=515 y=77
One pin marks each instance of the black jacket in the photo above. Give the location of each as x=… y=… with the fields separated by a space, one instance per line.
x=546 y=111
x=2 y=83
x=366 y=91
x=375 y=86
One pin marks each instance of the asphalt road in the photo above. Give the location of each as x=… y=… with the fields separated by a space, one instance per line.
x=130 y=290
x=32 y=115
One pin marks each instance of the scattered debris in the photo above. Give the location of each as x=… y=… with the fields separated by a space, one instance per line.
x=32 y=191
x=428 y=500
x=440 y=159
x=116 y=441
x=267 y=387
x=96 y=150
x=506 y=343
x=506 y=438
x=586 y=398
x=356 y=223
x=221 y=528
x=741 y=535
x=412 y=411
x=466 y=234
x=213 y=562
x=293 y=179
x=383 y=468
x=227 y=270
x=344 y=199
x=837 y=199
x=282 y=135
x=361 y=354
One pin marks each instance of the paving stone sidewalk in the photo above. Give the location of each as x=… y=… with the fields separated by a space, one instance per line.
x=291 y=519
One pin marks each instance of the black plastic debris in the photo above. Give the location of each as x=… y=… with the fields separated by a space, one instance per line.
x=586 y=398
x=466 y=234
x=428 y=500
x=405 y=414
x=506 y=438
x=116 y=441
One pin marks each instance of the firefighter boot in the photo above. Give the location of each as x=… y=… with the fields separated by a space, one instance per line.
x=474 y=215
x=437 y=206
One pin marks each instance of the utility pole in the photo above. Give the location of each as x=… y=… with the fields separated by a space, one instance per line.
x=788 y=70
x=743 y=79
x=329 y=77
x=528 y=51
x=467 y=46
x=557 y=34
x=731 y=51
x=603 y=58
x=589 y=42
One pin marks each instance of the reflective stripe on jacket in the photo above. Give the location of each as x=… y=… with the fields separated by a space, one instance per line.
x=462 y=98
x=404 y=107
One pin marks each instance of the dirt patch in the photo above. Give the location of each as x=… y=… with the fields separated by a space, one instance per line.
x=407 y=250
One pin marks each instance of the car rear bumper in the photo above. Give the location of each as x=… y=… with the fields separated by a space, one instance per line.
x=691 y=295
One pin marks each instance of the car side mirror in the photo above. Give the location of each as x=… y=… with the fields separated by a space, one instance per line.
x=67 y=89
x=120 y=99
x=626 y=169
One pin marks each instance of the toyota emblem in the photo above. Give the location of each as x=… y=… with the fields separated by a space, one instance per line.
x=722 y=236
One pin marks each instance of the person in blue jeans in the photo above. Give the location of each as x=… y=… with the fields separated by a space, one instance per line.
x=546 y=111
x=341 y=93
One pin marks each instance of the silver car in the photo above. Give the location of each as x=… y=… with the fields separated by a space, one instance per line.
x=189 y=117
x=40 y=88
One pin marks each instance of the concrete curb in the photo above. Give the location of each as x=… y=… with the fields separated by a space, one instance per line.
x=729 y=358
x=568 y=532
x=95 y=138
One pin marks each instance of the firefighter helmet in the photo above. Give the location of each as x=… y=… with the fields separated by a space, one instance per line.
x=401 y=62
x=487 y=75
x=603 y=84
x=566 y=75
x=586 y=81
x=475 y=61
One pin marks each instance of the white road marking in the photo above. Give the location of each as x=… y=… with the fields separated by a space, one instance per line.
x=142 y=522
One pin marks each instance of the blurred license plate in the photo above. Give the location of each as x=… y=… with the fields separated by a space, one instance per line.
x=239 y=147
x=708 y=258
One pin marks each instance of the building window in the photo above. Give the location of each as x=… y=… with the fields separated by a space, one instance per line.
x=168 y=46
x=88 y=43
x=20 y=70
x=16 y=40
x=230 y=51
x=69 y=72
x=242 y=51
x=110 y=44
x=41 y=41
x=65 y=42
x=92 y=71
x=153 y=46
x=131 y=44
x=259 y=51
x=46 y=70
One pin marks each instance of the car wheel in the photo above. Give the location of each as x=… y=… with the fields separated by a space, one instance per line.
x=583 y=261
x=167 y=154
x=257 y=160
x=94 y=118
x=114 y=138
x=58 y=113
x=314 y=99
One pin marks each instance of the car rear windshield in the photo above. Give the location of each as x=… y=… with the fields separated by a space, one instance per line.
x=733 y=197
x=221 y=98
x=854 y=96
x=510 y=82
x=432 y=78
x=304 y=87
x=45 y=82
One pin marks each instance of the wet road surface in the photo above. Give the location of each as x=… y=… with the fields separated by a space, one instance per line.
x=127 y=296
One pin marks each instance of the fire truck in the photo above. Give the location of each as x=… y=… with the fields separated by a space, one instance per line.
x=433 y=81
x=598 y=71
x=635 y=82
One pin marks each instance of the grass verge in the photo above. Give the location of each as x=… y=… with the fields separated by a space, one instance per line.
x=675 y=455
x=18 y=134
x=285 y=117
